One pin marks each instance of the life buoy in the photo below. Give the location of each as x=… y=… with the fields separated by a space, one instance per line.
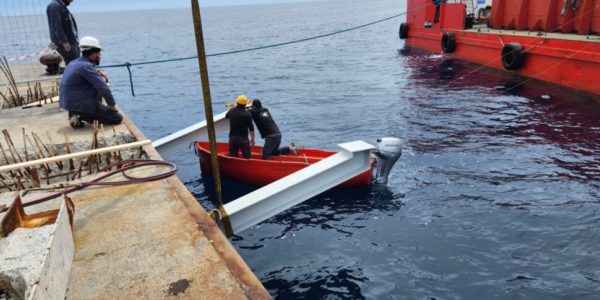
x=448 y=42
x=513 y=56
x=403 y=32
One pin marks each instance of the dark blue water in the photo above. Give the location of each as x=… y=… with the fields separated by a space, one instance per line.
x=495 y=197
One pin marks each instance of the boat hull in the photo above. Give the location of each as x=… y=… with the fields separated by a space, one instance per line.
x=568 y=60
x=258 y=172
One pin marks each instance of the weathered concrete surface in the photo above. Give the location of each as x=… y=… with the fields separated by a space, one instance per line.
x=140 y=240
x=21 y=254
x=47 y=119
x=27 y=72
x=150 y=240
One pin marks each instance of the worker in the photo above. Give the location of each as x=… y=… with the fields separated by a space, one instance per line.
x=240 y=124
x=438 y=4
x=63 y=30
x=83 y=86
x=269 y=131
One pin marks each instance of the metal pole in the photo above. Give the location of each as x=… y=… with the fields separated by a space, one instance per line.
x=208 y=111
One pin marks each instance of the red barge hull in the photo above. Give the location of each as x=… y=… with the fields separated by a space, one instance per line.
x=259 y=172
x=564 y=50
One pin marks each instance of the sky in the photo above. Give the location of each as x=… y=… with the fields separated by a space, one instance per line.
x=95 y=5
x=20 y=7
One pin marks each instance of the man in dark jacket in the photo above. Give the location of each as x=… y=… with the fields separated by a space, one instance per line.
x=437 y=3
x=269 y=131
x=240 y=124
x=82 y=88
x=63 y=29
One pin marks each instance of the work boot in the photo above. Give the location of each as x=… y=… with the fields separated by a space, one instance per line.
x=75 y=121
x=293 y=148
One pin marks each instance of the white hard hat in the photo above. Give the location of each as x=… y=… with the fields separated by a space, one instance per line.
x=88 y=42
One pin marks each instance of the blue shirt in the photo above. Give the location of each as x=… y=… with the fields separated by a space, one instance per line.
x=82 y=87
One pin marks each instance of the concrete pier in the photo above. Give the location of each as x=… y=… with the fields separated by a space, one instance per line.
x=147 y=240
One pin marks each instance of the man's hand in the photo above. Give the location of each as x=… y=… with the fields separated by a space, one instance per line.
x=252 y=142
x=67 y=47
x=103 y=74
x=112 y=108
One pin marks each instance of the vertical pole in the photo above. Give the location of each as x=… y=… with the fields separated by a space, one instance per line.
x=207 y=101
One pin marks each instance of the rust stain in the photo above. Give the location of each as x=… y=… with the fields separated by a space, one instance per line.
x=179 y=286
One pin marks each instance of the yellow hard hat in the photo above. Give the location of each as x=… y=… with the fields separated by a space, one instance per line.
x=241 y=99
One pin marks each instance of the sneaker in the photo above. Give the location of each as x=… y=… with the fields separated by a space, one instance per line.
x=75 y=122
x=293 y=148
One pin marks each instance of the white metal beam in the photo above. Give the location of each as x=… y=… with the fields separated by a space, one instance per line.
x=180 y=140
x=297 y=187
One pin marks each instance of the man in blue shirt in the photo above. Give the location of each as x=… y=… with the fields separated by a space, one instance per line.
x=83 y=86
x=63 y=29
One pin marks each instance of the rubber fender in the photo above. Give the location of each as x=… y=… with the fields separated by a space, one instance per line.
x=513 y=56
x=403 y=31
x=448 y=42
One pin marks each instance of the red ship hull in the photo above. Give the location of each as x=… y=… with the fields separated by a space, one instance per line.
x=258 y=172
x=567 y=59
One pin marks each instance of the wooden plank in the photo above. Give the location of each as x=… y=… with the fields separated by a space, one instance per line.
x=73 y=155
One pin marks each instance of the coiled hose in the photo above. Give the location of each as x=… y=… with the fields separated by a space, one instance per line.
x=121 y=167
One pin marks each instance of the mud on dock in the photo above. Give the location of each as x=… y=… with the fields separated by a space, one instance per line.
x=142 y=240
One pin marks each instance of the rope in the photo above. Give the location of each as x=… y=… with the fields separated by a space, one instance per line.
x=128 y=65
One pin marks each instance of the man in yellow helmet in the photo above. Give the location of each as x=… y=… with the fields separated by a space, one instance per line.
x=240 y=124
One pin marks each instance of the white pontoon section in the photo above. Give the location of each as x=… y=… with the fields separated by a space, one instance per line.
x=297 y=187
x=180 y=140
x=282 y=194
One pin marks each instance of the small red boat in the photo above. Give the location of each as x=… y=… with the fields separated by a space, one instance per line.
x=258 y=172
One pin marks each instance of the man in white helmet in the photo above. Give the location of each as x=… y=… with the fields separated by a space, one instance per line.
x=83 y=86
x=63 y=29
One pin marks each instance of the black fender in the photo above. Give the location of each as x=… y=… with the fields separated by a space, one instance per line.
x=448 y=42
x=513 y=56
x=403 y=31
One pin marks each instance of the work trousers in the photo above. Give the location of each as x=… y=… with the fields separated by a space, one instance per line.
x=102 y=114
x=271 y=147
x=71 y=55
x=237 y=143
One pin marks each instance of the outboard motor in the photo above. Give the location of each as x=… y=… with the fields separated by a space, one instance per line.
x=387 y=151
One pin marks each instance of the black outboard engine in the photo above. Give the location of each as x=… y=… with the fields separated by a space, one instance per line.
x=387 y=151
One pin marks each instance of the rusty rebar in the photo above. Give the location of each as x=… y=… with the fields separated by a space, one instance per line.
x=54 y=150
x=25 y=144
x=69 y=151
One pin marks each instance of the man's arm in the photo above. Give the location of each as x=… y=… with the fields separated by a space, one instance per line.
x=251 y=128
x=91 y=74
